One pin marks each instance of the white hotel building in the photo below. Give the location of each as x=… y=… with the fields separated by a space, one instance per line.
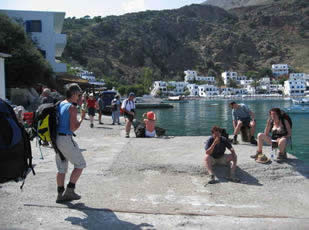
x=191 y=75
x=45 y=29
x=295 y=86
x=227 y=76
x=280 y=69
x=208 y=90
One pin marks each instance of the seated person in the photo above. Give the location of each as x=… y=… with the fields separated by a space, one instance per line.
x=215 y=154
x=150 y=124
x=281 y=133
x=242 y=116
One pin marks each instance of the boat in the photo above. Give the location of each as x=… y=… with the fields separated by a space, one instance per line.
x=301 y=101
x=297 y=109
x=176 y=99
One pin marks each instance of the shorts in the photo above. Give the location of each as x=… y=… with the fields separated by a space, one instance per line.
x=150 y=134
x=72 y=153
x=219 y=161
x=129 y=116
x=91 y=111
x=246 y=121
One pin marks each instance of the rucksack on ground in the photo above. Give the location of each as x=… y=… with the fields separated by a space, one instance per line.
x=45 y=125
x=15 y=147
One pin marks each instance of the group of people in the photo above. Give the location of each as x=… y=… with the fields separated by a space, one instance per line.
x=215 y=146
x=277 y=124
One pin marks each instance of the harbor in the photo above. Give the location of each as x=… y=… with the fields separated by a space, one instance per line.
x=158 y=183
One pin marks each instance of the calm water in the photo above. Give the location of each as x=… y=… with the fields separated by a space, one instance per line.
x=197 y=117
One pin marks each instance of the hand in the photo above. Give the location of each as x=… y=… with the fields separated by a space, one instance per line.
x=216 y=141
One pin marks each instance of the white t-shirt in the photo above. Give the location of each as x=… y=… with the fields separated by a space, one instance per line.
x=128 y=105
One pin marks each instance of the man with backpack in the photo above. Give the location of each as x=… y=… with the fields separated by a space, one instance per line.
x=68 y=123
x=128 y=106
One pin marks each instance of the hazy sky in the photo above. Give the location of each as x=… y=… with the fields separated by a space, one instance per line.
x=80 y=8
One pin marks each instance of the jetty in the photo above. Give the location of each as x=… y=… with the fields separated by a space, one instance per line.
x=157 y=183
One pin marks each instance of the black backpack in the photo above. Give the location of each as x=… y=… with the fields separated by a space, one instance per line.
x=139 y=128
x=45 y=125
x=15 y=147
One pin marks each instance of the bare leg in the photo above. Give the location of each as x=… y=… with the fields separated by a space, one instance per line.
x=128 y=126
x=60 y=179
x=91 y=119
x=100 y=116
x=237 y=128
x=208 y=164
x=252 y=128
x=261 y=138
x=282 y=145
x=75 y=175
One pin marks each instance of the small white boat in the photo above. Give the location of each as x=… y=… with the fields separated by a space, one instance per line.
x=175 y=98
x=302 y=101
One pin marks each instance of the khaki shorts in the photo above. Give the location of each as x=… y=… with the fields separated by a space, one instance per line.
x=71 y=152
x=219 y=161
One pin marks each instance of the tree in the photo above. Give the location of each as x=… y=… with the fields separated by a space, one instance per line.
x=219 y=81
x=232 y=84
x=264 y=72
x=147 y=78
x=255 y=84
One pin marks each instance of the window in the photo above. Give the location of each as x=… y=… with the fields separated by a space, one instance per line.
x=33 y=26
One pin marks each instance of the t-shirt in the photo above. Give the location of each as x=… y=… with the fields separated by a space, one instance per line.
x=243 y=112
x=91 y=103
x=219 y=148
x=100 y=103
x=128 y=105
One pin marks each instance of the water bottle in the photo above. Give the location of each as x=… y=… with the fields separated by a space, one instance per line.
x=274 y=146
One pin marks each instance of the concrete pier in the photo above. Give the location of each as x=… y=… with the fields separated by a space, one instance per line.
x=157 y=183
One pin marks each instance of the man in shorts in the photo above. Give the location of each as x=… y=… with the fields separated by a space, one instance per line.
x=242 y=116
x=215 y=154
x=128 y=106
x=68 y=123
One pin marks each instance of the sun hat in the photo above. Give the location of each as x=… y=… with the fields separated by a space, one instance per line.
x=150 y=115
x=131 y=94
x=262 y=158
x=91 y=95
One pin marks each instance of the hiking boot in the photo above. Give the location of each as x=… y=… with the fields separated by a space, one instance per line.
x=235 y=142
x=255 y=155
x=91 y=125
x=70 y=195
x=282 y=156
x=60 y=198
x=101 y=123
x=253 y=141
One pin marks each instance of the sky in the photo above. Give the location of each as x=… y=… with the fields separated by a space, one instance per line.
x=81 y=8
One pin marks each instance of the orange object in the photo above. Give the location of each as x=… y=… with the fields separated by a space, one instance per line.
x=150 y=115
x=28 y=117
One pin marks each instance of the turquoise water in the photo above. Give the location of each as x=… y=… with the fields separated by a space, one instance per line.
x=197 y=117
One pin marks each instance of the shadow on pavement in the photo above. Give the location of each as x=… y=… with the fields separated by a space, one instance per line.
x=222 y=172
x=298 y=165
x=101 y=218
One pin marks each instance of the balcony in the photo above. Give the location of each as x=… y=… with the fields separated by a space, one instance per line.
x=60 y=43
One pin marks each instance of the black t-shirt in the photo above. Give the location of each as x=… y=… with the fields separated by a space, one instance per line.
x=219 y=148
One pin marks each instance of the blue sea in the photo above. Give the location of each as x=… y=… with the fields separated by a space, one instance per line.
x=197 y=117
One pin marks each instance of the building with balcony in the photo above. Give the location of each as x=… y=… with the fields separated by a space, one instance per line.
x=45 y=30
x=193 y=89
x=280 y=69
x=158 y=87
x=190 y=75
x=294 y=87
x=295 y=76
x=208 y=90
x=227 y=76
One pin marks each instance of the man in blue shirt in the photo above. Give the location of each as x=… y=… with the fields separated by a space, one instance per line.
x=215 y=154
x=242 y=116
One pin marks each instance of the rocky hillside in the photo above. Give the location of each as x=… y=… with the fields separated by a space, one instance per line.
x=230 y=4
x=202 y=37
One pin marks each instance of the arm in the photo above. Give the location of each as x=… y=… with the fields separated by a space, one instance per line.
x=288 y=128
x=232 y=151
x=210 y=150
x=268 y=126
x=251 y=115
x=74 y=123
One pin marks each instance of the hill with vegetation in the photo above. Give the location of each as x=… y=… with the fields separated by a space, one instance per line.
x=230 y=4
x=160 y=45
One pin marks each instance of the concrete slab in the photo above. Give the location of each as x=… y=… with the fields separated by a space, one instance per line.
x=158 y=183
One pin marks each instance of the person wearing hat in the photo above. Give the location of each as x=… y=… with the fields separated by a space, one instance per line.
x=116 y=103
x=150 y=123
x=128 y=106
x=91 y=105
x=215 y=154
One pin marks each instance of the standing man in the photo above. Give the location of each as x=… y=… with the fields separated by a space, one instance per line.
x=242 y=116
x=100 y=105
x=116 y=103
x=68 y=123
x=128 y=106
x=215 y=154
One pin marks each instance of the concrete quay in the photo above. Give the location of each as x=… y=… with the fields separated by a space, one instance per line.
x=157 y=183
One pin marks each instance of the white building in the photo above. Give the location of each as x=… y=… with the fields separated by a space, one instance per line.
x=244 y=83
x=264 y=81
x=45 y=29
x=190 y=75
x=240 y=91
x=279 y=69
x=84 y=74
x=179 y=87
x=2 y=74
x=159 y=86
x=227 y=76
x=294 y=87
x=295 y=76
x=208 y=90
x=193 y=89
x=227 y=91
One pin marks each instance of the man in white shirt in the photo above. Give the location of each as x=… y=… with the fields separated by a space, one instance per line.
x=128 y=106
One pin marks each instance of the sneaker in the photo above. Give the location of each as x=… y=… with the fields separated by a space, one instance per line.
x=211 y=179
x=127 y=136
x=113 y=123
x=70 y=195
x=254 y=156
x=91 y=125
x=282 y=156
x=101 y=123
x=253 y=141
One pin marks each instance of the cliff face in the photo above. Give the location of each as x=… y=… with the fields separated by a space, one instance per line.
x=230 y=4
x=202 y=37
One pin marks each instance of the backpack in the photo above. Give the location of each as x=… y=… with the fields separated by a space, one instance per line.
x=45 y=125
x=15 y=147
x=139 y=128
x=285 y=116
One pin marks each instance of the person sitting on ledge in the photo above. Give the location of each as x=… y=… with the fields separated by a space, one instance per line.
x=150 y=123
x=242 y=116
x=281 y=131
x=215 y=154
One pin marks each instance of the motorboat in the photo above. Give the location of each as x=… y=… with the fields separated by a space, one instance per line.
x=297 y=109
x=179 y=99
x=301 y=101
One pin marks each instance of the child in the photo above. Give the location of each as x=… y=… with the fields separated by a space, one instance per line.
x=150 y=124
x=91 y=108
